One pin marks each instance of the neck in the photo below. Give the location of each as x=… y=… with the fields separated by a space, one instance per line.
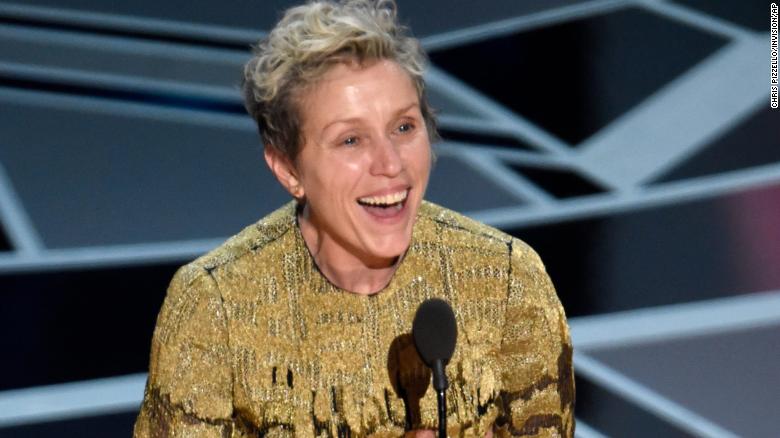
x=347 y=270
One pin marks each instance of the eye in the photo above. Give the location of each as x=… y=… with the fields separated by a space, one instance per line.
x=406 y=127
x=350 y=141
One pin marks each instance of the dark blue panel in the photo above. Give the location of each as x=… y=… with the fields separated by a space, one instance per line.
x=697 y=249
x=114 y=425
x=561 y=183
x=78 y=325
x=574 y=78
x=493 y=139
x=5 y=243
x=614 y=416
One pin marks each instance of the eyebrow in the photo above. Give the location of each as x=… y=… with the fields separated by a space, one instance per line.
x=356 y=119
x=407 y=108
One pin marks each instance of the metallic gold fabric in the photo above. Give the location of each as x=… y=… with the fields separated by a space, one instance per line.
x=252 y=340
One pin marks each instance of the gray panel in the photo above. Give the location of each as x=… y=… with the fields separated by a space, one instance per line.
x=243 y=13
x=426 y=18
x=99 y=175
x=752 y=13
x=445 y=105
x=731 y=378
x=458 y=186
x=434 y=17
x=96 y=176
x=131 y=58
x=753 y=142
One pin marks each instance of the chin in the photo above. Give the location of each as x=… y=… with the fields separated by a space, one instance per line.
x=390 y=250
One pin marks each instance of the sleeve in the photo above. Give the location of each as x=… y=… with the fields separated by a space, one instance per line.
x=189 y=389
x=536 y=397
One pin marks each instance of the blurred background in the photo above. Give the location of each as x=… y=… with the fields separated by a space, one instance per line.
x=630 y=142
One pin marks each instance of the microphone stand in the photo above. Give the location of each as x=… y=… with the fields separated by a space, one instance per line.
x=442 y=401
x=440 y=384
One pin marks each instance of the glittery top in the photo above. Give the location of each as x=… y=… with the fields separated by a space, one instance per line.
x=252 y=340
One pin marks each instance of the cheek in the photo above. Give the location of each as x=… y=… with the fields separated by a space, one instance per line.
x=326 y=171
x=352 y=172
x=340 y=180
x=420 y=160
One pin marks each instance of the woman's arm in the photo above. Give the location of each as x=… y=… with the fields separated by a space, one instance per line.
x=535 y=357
x=189 y=389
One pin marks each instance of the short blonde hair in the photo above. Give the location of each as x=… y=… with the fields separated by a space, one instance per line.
x=305 y=43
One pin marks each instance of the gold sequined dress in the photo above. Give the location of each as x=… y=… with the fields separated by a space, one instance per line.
x=252 y=340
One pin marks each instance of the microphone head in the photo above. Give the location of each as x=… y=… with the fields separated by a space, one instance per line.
x=434 y=331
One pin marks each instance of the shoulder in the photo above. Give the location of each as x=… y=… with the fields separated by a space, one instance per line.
x=452 y=228
x=198 y=281
x=526 y=259
x=246 y=266
x=455 y=228
x=251 y=239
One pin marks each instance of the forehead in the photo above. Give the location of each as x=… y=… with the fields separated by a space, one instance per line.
x=354 y=83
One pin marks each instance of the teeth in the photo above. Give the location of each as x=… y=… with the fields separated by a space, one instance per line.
x=390 y=199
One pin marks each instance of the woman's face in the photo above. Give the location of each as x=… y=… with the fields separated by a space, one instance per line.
x=365 y=161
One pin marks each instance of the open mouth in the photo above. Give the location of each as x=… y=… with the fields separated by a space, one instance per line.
x=385 y=205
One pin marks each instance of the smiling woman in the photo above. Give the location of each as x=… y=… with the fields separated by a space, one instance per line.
x=299 y=325
x=361 y=172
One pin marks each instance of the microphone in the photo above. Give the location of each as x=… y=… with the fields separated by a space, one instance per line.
x=434 y=331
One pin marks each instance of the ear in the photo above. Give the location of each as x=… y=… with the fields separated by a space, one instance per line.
x=284 y=171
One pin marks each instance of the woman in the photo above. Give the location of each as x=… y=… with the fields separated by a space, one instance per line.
x=299 y=325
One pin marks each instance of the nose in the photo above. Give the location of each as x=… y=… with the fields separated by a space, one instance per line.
x=386 y=159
